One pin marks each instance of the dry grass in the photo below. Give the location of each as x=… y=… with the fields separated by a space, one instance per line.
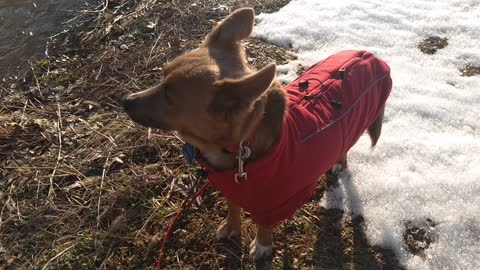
x=82 y=187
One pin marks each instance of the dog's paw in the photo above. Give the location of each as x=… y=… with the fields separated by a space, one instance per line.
x=259 y=251
x=227 y=231
x=337 y=168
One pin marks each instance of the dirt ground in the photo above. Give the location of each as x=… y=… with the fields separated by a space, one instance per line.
x=82 y=187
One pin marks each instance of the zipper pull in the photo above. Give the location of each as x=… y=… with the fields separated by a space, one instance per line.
x=303 y=85
x=343 y=74
x=337 y=103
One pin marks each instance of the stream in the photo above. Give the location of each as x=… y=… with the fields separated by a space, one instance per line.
x=25 y=26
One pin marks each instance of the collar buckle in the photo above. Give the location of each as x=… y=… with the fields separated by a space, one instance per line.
x=243 y=153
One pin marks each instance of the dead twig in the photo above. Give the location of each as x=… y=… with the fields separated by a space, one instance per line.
x=153 y=48
x=59 y=156
x=104 y=171
x=99 y=72
x=22 y=116
x=105 y=5
x=36 y=80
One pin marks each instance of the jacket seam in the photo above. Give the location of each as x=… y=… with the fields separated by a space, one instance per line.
x=305 y=139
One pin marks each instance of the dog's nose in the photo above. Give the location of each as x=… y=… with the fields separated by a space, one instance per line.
x=128 y=102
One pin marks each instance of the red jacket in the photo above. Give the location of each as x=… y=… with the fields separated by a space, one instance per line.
x=322 y=123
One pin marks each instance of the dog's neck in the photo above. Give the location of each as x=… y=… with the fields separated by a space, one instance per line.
x=268 y=130
x=266 y=133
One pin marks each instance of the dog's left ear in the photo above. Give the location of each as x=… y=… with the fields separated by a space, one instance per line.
x=233 y=94
x=236 y=27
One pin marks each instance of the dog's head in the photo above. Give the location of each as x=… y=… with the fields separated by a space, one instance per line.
x=209 y=95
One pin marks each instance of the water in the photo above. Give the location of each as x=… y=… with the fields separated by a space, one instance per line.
x=25 y=26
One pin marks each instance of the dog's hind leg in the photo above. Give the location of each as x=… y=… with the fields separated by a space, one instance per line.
x=374 y=132
x=375 y=129
x=339 y=166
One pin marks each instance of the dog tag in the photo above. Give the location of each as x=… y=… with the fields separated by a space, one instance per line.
x=189 y=152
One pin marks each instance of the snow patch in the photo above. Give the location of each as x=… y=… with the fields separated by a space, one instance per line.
x=427 y=162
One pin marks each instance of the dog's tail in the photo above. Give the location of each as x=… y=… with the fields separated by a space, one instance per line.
x=375 y=129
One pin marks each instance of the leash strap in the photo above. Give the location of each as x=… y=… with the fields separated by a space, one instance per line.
x=189 y=152
x=201 y=174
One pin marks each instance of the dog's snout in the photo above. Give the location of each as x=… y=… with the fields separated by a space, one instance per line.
x=128 y=102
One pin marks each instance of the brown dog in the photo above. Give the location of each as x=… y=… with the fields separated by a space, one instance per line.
x=214 y=100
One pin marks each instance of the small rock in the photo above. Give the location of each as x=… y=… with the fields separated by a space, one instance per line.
x=118 y=224
x=451 y=82
x=124 y=47
x=58 y=88
x=151 y=25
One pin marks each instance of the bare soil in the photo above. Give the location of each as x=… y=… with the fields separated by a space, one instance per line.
x=419 y=235
x=431 y=45
x=469 y=71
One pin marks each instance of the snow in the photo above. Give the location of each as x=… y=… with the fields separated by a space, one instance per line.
x=427 y=162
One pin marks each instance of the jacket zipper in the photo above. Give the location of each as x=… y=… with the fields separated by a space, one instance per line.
x=341 y=74
x=317 y=92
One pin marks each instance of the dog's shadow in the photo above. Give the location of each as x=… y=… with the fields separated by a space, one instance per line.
x=236 y=256
x=232 y=250
x=341 y=241
x=332 y=238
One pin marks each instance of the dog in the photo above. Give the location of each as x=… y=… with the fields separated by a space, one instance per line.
x=264 y=145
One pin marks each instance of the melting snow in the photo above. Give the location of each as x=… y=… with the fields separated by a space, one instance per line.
x=427 y=162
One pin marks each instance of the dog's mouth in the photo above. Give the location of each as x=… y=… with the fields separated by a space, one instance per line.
x=148 y=122
x=131 y=108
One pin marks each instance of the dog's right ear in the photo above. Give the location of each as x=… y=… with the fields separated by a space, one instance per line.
x=236 y=94
x=236 y=27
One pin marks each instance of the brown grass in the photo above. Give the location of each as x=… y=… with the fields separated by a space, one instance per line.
x=82 y=187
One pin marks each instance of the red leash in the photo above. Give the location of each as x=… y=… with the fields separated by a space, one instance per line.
x=201 y=174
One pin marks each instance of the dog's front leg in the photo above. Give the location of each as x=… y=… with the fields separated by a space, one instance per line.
x=261 y=246
x=231 y=226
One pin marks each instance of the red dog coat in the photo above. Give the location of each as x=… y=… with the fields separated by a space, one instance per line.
x=329 y=108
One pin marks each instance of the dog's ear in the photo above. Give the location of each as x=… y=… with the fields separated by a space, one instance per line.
x=236 y=27
x=234 y=94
